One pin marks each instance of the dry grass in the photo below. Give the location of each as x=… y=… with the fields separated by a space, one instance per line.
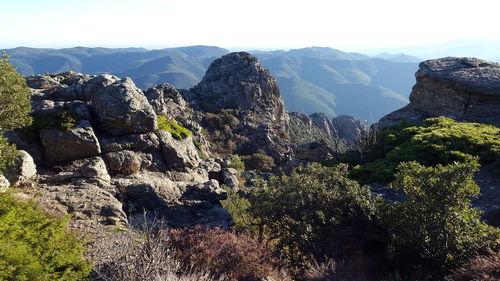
x=484 y=267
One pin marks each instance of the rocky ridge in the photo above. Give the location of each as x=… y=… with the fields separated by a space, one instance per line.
x=113 y=163
x=95 y=149
x=464 y=89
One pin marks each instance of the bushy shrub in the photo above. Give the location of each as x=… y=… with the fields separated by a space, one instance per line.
x=170 y=125
x=483 y=267
x=34 y=246
x=14 y=98
x=315 y=211
x=436 y=219
x=8 y=153
x=238 y=206
x=438 y=141
x=223 y=253
x=221 y=131
x=14 y=108
x=259 y=161
x=63 y=120
x=235 y=162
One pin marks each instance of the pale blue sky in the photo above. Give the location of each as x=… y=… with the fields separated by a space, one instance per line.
x=353 y=24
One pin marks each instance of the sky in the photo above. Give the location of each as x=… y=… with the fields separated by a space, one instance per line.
x=256 y=24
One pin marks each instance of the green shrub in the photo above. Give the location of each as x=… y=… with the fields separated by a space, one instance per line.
x=8 y=154
x=36 y=247
x=14 y=108
x=259 y=161
x=314 y=211
x=236 y=163
x=436 y=219
x=170 y=125
x=238 y=206
x=437 y=141
x=14 y=98
x=63 y=120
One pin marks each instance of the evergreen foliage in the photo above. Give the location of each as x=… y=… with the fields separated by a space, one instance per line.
x=436 y=219
x=438 y=141
x=170 y=125
x=14 y=98
x=308 y=211
x=14 y=108
x=236 y=163
x=36 y=247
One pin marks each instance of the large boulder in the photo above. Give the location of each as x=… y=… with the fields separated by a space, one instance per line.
x=4 y=184
x=209 y=191
x=230 y=178
x=464 y=89
x=123 y=162
x=23 y=168
x=179 y=155
x=95 y=168
x=75 y=143
x=142 y=142
x=85 y=201
x=121 y=109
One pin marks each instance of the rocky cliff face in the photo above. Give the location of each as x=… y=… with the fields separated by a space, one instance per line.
x=239 y=83
x=464 y=89
x=109 y=162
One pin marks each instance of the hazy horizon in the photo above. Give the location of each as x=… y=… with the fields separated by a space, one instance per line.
x=352 y=26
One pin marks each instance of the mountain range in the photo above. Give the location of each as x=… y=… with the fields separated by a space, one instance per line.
x=315 y=79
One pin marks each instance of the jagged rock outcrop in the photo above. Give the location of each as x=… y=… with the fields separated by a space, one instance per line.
x=349 y=128
x=114 y=163
x=238 y=82
x=464 y=89
x=166 y=100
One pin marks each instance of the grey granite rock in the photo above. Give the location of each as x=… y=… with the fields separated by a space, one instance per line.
x=76 y=143
x=23 y=168
x=121 y=109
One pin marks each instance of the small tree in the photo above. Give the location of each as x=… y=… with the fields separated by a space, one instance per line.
x=314 y=211
x=14 y=108
x=436 y=219
x=14 y=98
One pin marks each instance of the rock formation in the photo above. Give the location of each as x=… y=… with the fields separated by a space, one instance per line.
x=464 y=89
x=109 y=163
x=316 y=137
x=238 y=82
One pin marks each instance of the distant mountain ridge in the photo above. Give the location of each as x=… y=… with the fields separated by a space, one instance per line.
x=315 y=79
